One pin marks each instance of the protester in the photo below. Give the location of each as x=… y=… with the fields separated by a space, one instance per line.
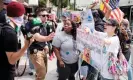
x=112 y=47
x=9 y=42
x=38 y=49
x=64 y=45
x=125 y=37
x=60 y=25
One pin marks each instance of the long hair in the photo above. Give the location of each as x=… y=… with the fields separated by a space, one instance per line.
x=74 y=30
x=74 y=33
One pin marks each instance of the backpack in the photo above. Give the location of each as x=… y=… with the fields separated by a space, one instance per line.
x=118 y=67
x=2 y=26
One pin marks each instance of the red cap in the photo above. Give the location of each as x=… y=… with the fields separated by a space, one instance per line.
x=15 y=9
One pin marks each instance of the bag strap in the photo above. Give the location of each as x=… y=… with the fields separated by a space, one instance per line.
x=3 y=26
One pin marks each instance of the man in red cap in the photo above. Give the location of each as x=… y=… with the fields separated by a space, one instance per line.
x=9 y=53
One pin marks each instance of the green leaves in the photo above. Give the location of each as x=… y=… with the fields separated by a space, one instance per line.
x=42 y=3
x=63 y=3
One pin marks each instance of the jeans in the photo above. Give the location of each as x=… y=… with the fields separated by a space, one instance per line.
x=130 y=74
x=30 y=63
x=91 y=74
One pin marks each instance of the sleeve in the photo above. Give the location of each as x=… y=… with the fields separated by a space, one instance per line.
x=56 y=41
x=114 y=46
x=10 y=41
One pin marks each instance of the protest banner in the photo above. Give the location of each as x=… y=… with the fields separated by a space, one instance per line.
x=93 y=42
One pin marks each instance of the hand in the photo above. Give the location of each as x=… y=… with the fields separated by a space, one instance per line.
x=124 y=32
x=62 y=64
x=87 y=30
x=29 y=42
x=51 y=36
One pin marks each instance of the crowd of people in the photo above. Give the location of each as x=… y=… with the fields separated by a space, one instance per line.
x=45 y=34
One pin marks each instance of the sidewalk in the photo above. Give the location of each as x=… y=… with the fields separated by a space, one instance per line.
x=51 y=75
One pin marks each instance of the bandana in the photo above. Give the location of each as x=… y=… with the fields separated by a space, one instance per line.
x=18 y=20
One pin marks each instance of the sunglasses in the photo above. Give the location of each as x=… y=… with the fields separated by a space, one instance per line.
x=108 y=24
x=44 y=15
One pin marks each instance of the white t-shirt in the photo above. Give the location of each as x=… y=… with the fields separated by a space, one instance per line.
x=65 y=42
x=113 y=47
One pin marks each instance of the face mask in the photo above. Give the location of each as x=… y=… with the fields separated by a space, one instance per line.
x=18 y=20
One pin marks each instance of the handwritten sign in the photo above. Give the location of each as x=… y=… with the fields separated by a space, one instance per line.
x=75 y=16
x=86 y=16
x=94 y=42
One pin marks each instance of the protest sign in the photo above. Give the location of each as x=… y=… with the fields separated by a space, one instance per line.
x=86 y=16
x=75 y=16
x=93 y=42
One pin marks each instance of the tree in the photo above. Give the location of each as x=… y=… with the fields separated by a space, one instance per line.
x=64 y=3
x=72 y=6
x=42 y=3
x=60 y=4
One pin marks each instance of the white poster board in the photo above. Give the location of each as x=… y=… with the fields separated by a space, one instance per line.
x=93 y=41
x=87 y=17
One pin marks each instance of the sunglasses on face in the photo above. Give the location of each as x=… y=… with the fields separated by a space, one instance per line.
x=44 y=15
x=108 y=24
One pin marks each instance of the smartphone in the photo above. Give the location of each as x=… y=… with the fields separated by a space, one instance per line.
x=29 y=36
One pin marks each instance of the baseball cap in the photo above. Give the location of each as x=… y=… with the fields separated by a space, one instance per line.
x=112 y=22
x=66 y=14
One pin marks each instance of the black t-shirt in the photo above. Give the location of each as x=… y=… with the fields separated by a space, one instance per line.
x=39 y=45
x=8 y=43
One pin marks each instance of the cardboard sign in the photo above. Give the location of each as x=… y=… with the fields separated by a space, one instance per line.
x=75 y=16
x=86 y=16
x=93 y=42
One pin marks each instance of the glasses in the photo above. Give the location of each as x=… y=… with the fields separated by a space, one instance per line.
x=44 y=15
x=108 y=24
